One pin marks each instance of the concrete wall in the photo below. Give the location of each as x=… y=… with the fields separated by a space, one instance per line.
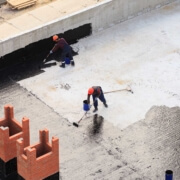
x=100 y=16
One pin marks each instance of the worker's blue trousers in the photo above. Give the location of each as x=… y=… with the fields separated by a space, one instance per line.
x=101 y=97
x=66 y=52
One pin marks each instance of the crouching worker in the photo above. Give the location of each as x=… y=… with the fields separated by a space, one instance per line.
x=96 y=92
x=62 y=45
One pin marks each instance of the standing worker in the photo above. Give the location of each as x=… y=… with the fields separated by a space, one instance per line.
x=96 y=92
x=61 y=44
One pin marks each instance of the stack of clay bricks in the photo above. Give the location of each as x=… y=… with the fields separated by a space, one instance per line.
x=20 y=4
x=19 y=160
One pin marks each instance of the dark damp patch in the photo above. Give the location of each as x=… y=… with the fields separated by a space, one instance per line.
x=95 y=130
x=28 y=61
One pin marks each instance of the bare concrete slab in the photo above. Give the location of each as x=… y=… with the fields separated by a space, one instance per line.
x=45 y=14
x=28 y=18
x=7 y=30
x=72 y=6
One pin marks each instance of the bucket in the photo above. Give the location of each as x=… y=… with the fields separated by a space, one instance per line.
x=169 y=175
x=67 y=60
x=86 y=106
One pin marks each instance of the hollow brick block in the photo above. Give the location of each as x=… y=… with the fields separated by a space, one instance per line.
x=38 y=161
x=10 y=131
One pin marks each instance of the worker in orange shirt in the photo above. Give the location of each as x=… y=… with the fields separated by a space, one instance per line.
x=96 y=92
x=62 y=45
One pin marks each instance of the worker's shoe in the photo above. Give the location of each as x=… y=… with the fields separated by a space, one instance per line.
x=96 y=109
x=62 y=65
x=72 y=63
x=105 y=105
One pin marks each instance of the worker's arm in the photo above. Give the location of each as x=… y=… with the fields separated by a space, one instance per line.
x=52 y=50
x=55 y=48
x=88 y=98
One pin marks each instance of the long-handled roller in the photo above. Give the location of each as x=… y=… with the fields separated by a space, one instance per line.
x=126 y=89
x=46 y=58
x=77 y=124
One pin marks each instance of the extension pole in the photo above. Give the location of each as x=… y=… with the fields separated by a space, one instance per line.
x=118 y=90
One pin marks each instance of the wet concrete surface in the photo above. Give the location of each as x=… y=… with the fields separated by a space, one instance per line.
x=97 y=149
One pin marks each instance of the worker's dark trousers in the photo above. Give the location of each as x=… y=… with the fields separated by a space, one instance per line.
x=101 y=97
x=66 y=52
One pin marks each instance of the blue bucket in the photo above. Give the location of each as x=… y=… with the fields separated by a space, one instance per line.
x=67 y=60
x=86 y=106
x=169 y=175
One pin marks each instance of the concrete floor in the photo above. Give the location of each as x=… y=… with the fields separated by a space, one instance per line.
x=139 y=135
x=143 y=52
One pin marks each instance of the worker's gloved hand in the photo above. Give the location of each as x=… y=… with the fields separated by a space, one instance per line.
x=95 y=99
x=51 y=52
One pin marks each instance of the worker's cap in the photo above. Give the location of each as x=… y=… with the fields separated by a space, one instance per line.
x=55 y=37
x=90 y=91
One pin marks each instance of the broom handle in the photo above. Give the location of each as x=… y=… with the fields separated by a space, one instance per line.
x=82 y=117
x=84 y=114
x=116 y=91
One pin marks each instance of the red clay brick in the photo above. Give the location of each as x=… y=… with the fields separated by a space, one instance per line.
x=10 y=131
x=38 y=161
